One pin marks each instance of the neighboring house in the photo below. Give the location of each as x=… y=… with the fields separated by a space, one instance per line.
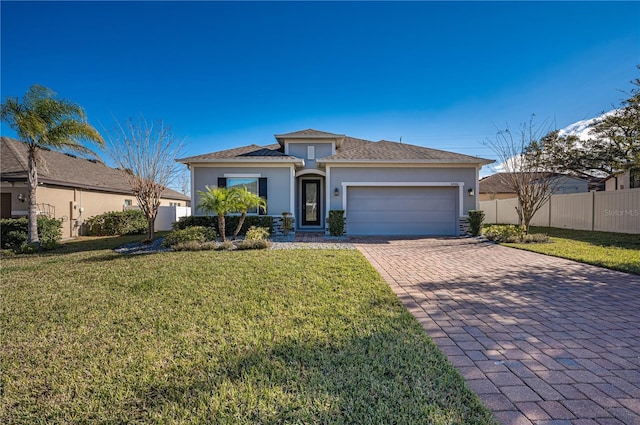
x=385 y=188
x=70 y=188
x=629 y=179
x=497 y=186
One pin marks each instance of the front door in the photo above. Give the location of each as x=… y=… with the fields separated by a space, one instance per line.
x=310 y=202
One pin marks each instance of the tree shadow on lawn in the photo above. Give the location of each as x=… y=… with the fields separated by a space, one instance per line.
x=546 y=306
x=383 y=378
x=98 y=243
x=604 y=239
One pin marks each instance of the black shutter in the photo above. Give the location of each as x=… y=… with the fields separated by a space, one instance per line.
x=222 y=182
x=262 y=192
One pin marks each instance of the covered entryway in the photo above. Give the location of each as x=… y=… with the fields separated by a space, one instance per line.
x=402 y=210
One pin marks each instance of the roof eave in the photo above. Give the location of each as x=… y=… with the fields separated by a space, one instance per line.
x=339 y=138
x=406 y=161
x=267 y=160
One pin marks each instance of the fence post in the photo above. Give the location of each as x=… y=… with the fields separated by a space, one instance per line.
x=593 y=210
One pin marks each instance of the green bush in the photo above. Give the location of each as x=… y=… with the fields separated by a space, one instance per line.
x=336 y=222
x=536 y=238
x=257 y=233
x=195 y=220
x=199 y=234
x=116 y=223
x=504 y=233
x=253 y=244
x=287 y=222
x=231 y=223
x=194 y=246
x=226 y=246
x=13 y=233
x=476 y=217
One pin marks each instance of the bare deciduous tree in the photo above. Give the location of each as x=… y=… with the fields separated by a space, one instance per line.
x=147 y=154
x=524 y=171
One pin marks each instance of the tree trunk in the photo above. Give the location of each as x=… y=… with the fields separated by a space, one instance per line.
x=221 y=227
x=32 y=228
x=240 y=223
x=151 y=222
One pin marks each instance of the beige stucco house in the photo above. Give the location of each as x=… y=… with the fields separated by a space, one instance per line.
x=385 y=188
x=629 y=179
x=70 y=188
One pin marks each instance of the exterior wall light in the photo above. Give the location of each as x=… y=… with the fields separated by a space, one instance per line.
x=21 y=197
x=471 y=192
x=336 y=192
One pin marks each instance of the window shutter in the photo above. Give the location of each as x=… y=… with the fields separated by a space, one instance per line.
x=222 y=182
x=262 y=192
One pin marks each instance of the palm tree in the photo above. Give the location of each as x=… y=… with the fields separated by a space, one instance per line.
x=244 y=201
x=217 y=200
x=42 y=121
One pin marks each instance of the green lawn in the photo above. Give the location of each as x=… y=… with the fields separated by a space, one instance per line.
x=260 y=337
x=615 y=251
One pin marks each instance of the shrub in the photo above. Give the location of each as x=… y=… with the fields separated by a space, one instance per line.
x=476 y=217
x=231 y=223
x=194 y=220
x=194 y=246
x=336 y=222
x=14 y=233
x=504 y=233
x=7 y=253
x=116 y=223
x=226 y=246
x=536 y=238
x=257 y=233
x=287 y=222
x=253 y=244
x=198 y=234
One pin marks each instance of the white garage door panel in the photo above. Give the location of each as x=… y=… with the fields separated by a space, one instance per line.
x=401 y=210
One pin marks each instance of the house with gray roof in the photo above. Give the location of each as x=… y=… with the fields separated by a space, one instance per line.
x=384 y=188
x=70 y=188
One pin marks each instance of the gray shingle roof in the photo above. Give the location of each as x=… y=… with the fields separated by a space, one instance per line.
x=252 y=151
x=495 y=183
x=65 y=170
x=385 y=150
x=349 y=149
x=310 y=132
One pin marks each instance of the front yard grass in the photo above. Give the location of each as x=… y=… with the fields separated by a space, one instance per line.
x=615 y=251
x=251 y=337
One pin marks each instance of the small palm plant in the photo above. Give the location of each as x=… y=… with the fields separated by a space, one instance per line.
x=218 y=200
x=243 y=202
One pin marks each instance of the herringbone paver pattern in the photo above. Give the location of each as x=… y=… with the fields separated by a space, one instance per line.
x=540 y=339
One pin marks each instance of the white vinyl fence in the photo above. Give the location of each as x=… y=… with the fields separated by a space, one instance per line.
x=614 y=211
x=167 y=215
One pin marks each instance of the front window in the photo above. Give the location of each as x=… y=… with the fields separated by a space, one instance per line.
x=250 y=183
x=634 y=178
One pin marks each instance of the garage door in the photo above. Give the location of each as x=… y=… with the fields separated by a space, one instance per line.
x=401 y=210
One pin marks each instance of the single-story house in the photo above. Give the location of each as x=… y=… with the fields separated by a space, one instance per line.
x=69 y=188
x=629 y=179
x=497 y=186
x=384 y=188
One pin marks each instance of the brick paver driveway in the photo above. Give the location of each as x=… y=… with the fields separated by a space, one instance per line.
x=541 y=340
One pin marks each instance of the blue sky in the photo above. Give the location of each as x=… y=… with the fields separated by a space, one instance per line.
x=223 y=74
